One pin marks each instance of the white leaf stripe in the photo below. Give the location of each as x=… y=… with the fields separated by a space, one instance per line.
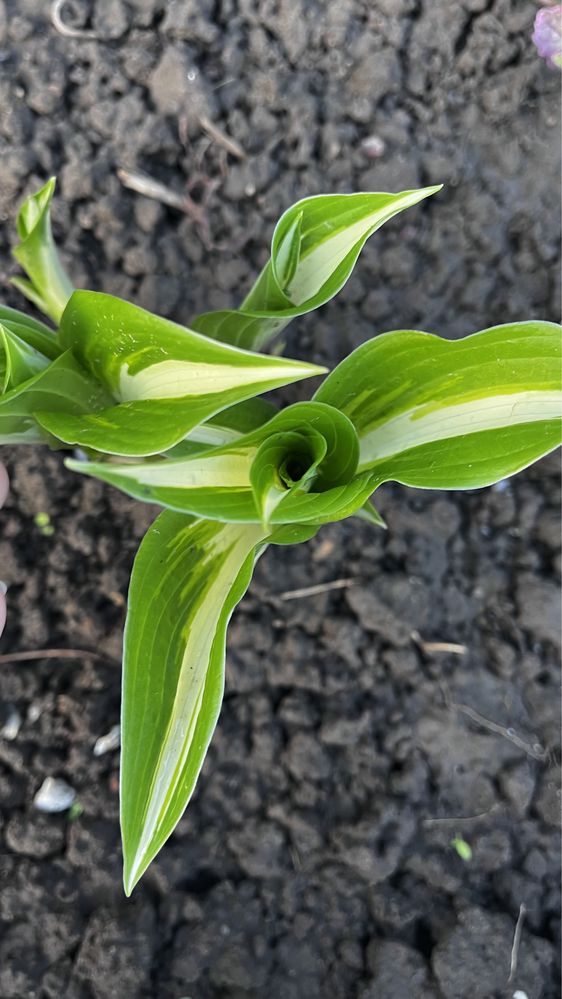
x=314 y=254
x=419 y=426
x=318 y=264
x=213 y=435
x=179 y=379
x=173 y=670
x=230 y=470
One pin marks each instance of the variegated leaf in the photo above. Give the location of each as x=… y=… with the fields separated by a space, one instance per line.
x=232 y=423
x=187 y=578
x=167 y=378
x=452 y=414
x=314 y=249
x=214 y=483
x=297 y=468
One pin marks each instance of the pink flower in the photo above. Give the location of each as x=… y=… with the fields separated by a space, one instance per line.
x=547 y=35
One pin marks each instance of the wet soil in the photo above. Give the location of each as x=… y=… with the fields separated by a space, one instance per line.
x=316 y=858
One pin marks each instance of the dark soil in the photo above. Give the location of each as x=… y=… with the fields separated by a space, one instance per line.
x=315 y=860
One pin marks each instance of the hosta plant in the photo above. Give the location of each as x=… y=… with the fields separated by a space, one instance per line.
x=174 y=416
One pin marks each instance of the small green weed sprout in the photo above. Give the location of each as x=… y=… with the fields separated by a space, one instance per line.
x=43 y=522
x=462 y=848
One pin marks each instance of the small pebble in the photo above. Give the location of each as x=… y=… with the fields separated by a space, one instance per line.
x=54 y=795
x=373 y=147
x=106 y=743
x=33 y=713
x=11 y=724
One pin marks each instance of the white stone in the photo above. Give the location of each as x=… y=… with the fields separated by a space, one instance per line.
x=54 y=795
x=106 y=743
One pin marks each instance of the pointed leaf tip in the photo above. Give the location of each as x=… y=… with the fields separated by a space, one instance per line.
x=49 y=286
x=452 y=414
x=313 y=252
x=187 y=578
x=166 y=379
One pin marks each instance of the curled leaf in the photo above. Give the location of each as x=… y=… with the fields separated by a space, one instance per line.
x=298 y=467
x=313 y=252
x=49 y=286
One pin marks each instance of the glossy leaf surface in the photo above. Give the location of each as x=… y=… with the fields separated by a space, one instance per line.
x=18 y=361
x=314 y=249
x=168 y=379
x=298 y=467
x=62 y=387
x=33 y=332
x=187 y=578
x=452 y=414
x=49 y=286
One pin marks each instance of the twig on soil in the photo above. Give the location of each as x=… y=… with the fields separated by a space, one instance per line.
x=225 y=83
x=22 y=657
x=151 y=188
x=311 y=591
x=429 y=647
x=506 y=733
x=221 y=139
x=455 y=820
x=63 y=29
x=516 y=943
x=295 y=857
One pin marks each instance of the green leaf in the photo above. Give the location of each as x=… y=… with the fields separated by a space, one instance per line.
x=325 y=507
x=457 y=414
x=314 y=249
x=18 y=361
x=63 y=387
x=9 y=315
x=297 y=468
x=224 y=428
x=213 y=484
x=286 y=463
x=49 y=286
x=371 y=515
x=168 y=378
x=187 y=578
x=232 y=423
x=35 y=333
x=44 y=343
x=292 y=534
